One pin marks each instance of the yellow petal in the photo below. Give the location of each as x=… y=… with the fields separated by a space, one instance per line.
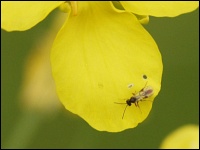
x=186 y=137
x=19 y=15
x=142 y=19
x=100 y=57
x=160 y=8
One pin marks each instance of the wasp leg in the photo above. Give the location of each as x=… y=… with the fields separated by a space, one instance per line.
x=137 y=105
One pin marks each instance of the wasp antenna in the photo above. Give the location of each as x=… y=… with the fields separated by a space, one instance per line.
x=124 y=111
x=146 y=84
x=119 y=103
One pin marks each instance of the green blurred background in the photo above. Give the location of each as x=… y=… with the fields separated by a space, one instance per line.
x=177 y=103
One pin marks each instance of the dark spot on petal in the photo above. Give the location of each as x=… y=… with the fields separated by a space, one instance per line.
x=144 y=76
x=100 y=85
x=130 y=85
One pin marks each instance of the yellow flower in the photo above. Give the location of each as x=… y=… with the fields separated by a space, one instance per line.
x=185 y=137
x=102 y=56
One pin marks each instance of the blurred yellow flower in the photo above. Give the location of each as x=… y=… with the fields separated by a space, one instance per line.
x=98 y=53
x=38 y=91
x=185 y=137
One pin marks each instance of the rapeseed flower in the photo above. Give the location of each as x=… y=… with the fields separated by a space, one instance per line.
x=101 y=56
